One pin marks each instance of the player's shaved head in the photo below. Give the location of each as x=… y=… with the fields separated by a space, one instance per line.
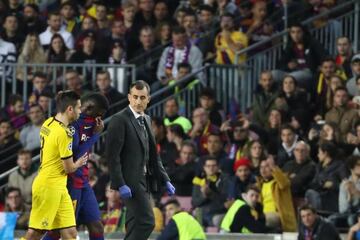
x=94 y=104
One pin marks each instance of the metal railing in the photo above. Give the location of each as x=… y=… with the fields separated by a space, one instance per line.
x=13 y=80
x=345 y=24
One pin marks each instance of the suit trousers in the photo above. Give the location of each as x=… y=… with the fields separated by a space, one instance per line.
x=139 y=216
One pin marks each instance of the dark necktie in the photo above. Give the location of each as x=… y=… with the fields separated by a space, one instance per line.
x=141 y=122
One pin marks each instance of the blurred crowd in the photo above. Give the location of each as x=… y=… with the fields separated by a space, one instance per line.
x=297 y=144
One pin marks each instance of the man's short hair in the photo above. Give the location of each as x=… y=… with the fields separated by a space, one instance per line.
x=12 y=189
x=72 y=71
x=252 y=187
x=100 y=102
x=352 y=161
x=24 y=152
x=208 y=92
x=206 y=8
x=189 y=143
x=341 y=88
x=210 y=158
x=14 y=98
x=106 y=72
x=54 y=13
x=178 y=30
x=64 y=99
x=39 y=75
x=327 y=59
x=287 y=127
x=227 y=14
x=173 y=201
x=172 y=99
x=307 y=207
x=140 y=85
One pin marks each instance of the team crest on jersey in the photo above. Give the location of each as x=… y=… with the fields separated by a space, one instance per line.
x=70 y=146
x=70 y=131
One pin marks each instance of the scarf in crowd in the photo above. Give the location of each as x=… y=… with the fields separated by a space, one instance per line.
x=170 y=58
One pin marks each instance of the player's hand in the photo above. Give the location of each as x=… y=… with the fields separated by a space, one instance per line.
x=170 y=188
x=99 y=127
x=125 y=192
x=81 y=161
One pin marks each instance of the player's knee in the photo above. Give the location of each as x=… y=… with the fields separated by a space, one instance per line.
x=69 y=233
x=33 y=234
x=96 y=228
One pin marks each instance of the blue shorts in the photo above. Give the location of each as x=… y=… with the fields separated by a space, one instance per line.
x=85 y=205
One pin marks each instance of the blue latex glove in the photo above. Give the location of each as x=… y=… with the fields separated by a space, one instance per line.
x=170 y=188
x=125 y=192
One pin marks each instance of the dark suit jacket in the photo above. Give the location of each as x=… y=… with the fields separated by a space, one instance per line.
x=125 y=153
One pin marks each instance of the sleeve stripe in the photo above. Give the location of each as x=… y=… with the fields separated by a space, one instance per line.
x=64 y=158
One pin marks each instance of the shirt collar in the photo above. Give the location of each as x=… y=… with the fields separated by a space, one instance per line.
x=136 y=115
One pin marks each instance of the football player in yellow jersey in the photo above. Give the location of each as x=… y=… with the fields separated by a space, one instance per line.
x=51 y=204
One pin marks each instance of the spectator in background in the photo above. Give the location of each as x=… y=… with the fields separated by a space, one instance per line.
x=255 y=153
x=264 y=98
x=182 y=171
x=289 y=140
x=180 y=224
x=163 y=34
x=113 y=212
x=342 y=115
x=301 y=57
x=229 y=41
x=147 y=57
x=327 y=70
x=118 y=54
x=40 y=85
x=242 y=180
x=207 y=19
x=31 y=52
x=14 y=203
x=161 y=11
x=88 y=23
x=202 y=127
x=29 y=135
x=349 y=193
x=54 y=26
x=103 y=82
x=11 y=31
x=9 y=145
x=215 y=148
x=344 y=56
x=167 y=151
x=102 y=20
x=238 y=137
x=24 y=176
x=313 y=226
x=128 y=12
x=87 y=54
x=276 y=197
x=209 y=193
x=170 y=58
x=323 y=192
x=351 y=84
x=260 y=28
x=70 y=21
x=14 y=112
x=118 y=32
x=45 y=103
x=180 y=14
x=172 y=115
x=32 y=20
x=57 y=52
x=74 y=82
x=295 y=102
x=245 y=214
x=209 y=103
x=300 y=170
x=176 y=135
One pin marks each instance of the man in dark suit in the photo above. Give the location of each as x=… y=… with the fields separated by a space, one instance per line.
x=135 y=167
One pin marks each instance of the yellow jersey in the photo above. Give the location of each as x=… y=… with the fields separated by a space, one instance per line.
x=267 y=197
x=224 y=54
x=56 y=145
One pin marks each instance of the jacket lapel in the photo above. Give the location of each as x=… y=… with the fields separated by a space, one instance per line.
x=148 y=127
x=136 y=126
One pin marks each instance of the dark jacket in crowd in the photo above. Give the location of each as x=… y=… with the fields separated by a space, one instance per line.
x=181 y=176
x=237 y=187
x=304 y=174
x=245 y=218
x=322 y=231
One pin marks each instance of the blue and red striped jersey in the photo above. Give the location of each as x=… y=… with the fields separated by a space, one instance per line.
x=83 y=140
